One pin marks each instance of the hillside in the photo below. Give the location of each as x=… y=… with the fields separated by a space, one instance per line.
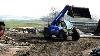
x=23 y=23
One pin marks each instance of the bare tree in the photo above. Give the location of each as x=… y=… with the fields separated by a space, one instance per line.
x=51 y=15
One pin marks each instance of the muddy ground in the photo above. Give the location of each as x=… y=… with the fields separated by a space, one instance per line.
x=37 y=46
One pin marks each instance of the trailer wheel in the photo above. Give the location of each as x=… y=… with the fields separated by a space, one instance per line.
x=62 y=35
x=46 y=33
x=75 y=35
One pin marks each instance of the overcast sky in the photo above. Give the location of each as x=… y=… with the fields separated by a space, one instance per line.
x=38 y=8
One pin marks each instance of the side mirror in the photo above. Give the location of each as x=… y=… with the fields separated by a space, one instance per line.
x=2 y=28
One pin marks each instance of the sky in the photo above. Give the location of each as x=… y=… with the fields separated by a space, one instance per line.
x=39 y=8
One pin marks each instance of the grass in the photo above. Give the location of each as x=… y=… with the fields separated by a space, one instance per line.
x=17 y=23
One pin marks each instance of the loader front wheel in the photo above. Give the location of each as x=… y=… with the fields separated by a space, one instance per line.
x=46 y=33
x=75 y=35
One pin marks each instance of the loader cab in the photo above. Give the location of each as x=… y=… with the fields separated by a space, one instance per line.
x=62 y=24
x=65 y=24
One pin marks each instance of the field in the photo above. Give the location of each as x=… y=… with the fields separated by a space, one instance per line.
x=24 y=23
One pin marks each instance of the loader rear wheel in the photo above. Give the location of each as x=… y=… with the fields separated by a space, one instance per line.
x=75 y=35
x=62 y=35
x=46 y=33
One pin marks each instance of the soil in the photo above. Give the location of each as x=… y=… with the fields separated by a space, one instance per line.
x=37 y=46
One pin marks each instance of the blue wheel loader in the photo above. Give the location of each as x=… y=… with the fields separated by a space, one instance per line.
x=60 y=28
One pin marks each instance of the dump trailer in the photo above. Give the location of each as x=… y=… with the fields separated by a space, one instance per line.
x=2 y=28
x=61 y=28
x=97 y=30
x=81 y=19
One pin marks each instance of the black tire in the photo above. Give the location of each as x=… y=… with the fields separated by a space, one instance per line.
x=94 y=54
x=62 y=35
x=75 y=35
x=46 y=33
x=2 y=28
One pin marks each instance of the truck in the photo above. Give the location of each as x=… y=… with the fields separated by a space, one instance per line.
x=60 y=28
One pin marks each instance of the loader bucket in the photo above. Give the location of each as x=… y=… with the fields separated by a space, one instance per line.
x=78 y=12
x=2 y=28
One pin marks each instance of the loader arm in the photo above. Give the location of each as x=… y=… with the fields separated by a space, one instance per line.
x=60 y=15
